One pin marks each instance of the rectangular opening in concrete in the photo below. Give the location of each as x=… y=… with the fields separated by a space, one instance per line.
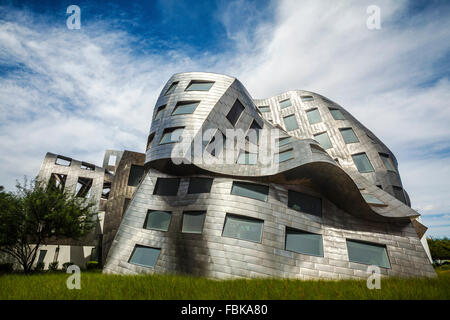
x=83 y=188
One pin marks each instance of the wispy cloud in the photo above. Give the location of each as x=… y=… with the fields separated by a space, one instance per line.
x=78 y=92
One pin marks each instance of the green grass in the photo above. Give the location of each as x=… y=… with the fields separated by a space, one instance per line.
x=95 y=285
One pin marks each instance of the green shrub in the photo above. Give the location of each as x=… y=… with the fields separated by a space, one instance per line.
x=90 y=265
x=39 y=266
x=6 y=267
x=66 y=265
x=53 y=266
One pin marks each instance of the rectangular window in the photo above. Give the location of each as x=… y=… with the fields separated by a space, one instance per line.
x=284 y=156
x=197 y=85
x=171 y=135
x=349 y=135
x=362 y=162
x=235 y=112
x=157 y=220
x=305 y=203
x=337 y=114
x=307 y=98
x=264 y=108
x=290 y=122
x=250 y=190
x=112 y=160
x=370 y=199
x=41 y=257
x=283 y=141
x=167 y=186
x=324 y=140
x=285 y=103
x=399 y=194
x=368 y=253
x=313 y=116
x=106 y=190
x=135 y=176
x=87 y=166
x=193 y=221
x=244 y=228
x=387 y=162
x=63 y=161
x=144 y=256
x=247 y=158
x=171 y=88
x=150 y=140
x=200 y=185
x=83 y=188
x=304 y=242
x=217 y=144
x=58 y=181
x=185 y=107
x=160 y=112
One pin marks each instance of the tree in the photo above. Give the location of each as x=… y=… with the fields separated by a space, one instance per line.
x=36 y=213
x=439 y=248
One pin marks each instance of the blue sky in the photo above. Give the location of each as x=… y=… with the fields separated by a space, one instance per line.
x=79 y=92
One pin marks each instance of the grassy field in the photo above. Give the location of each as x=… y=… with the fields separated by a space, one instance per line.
x=95 y=285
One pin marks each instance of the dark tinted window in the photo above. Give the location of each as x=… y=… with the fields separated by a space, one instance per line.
x=200 y=185
x=235 y=112
x=167 y=186
x=136 y=173
x=305 y=203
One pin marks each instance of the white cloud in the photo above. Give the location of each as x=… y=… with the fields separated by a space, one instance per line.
x=82 y=91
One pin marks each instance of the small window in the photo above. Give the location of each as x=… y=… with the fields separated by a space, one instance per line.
x=283 y=141
x=135 y=176
x=185 y=107
x=171 y=135
x=337 y=114
x=106 y=190
x=63 y=161
x=399 y=194
x=285 y=103
x=349 y=135
x=313 y=116
x=193 y=221
x=112 y=160
x=157 y=220
x=167 y=186
x=362 y=163
x=284 y=156
x=235 y=112
x=324 y=140
x=244 y=228
x=264 y=108
x=87 y=166
x=290 y=122
x=83 y=188
x=307 y=98
x=247 y=158
x=250 y=190
x=144 y=256
x=304 y=203
x=171 y=88
x=304 y=242
x=387 y=162
x=42 y=254
x=370 y=199
x=58 y=181
x=368 y=253
x=197 y=85
x=160 y=112
x=150 y=140
x=200 y=185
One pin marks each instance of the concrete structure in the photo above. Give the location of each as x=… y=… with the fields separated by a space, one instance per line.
x=328 y=203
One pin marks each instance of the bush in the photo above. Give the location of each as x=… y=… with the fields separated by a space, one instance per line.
x=6 y=267
x=39 y=266
x=66 y=265
x=53 y=266
x=90 y=265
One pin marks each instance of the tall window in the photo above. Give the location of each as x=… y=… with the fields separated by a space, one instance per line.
x=193 y=221
x=324 y=140
x=305 y=203
x=337 y=114
x=235 y=112
x=362 y=162
x=250 y=190
x=290 y=122
x=200 y=185
x=166 y=186
x=171 y=135
x=285 y=103
x=160 y=112
x=387 y=162
x=83 y=188
x=304 y=242
x=58 y=181
x=171 y=88
x=136 y=173
x=144 y=256
x=244 y=228
x=157 y=220
x=185 y=107
x=399 y=194
x=368 y=253
x=349 y=135
x=198 y=85
x=313 y=116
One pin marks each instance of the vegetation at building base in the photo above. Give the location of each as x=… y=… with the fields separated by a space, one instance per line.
x=95 y=285
x=439 y=248
x=37 y=212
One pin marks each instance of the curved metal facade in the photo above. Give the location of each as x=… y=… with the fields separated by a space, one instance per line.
x=354 y=206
